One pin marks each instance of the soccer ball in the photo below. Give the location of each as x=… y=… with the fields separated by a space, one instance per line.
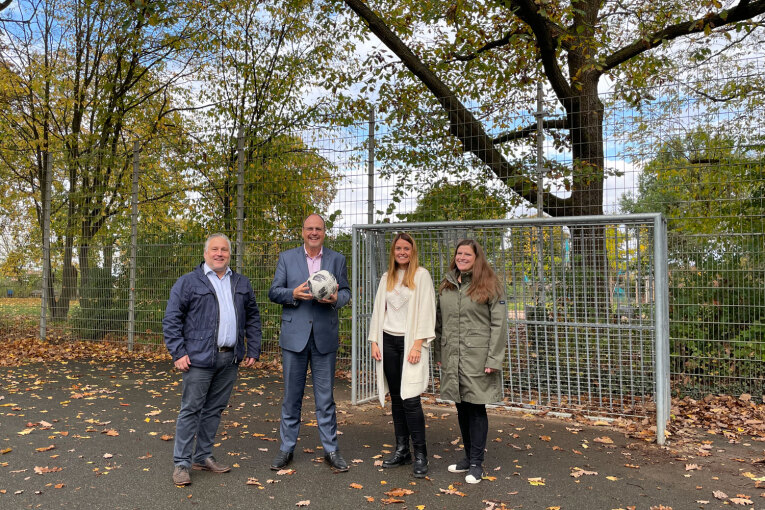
x=322 y=284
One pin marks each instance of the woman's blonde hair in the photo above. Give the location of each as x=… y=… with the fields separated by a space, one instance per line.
x=484 y=285
x=408 y=280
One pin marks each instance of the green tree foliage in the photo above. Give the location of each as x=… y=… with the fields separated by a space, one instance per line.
x=264 y=80
x=711 y=189
x=491 y=54
x=445 y=201
x=82 y=80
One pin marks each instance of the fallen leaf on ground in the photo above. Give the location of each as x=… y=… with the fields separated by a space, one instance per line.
x=579 y=472
x=397 y=493
x=41 y=470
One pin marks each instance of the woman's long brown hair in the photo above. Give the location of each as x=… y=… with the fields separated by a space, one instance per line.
x=408 y=280
x=484 y=285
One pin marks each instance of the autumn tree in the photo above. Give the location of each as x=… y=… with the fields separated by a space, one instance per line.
x=491 y=55
x=711 y=188
x=446 y=201
x=265 y=80
x=85 y=79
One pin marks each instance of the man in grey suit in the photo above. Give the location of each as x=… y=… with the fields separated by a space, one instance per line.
x=309 y=336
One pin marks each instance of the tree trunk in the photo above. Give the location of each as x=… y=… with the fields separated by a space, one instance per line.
x=585 y=114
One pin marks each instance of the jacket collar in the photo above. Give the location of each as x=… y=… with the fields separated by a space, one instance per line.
x=200 y=272
x=453 y=275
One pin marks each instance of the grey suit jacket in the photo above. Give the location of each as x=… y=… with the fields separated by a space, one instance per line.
x=300 y=317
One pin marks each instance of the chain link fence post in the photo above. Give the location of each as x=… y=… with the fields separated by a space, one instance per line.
x=45 y=189
x=240 y=201
x=133 y=246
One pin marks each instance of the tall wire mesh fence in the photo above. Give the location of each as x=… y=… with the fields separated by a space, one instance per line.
x=700 y=165
x=568 y=349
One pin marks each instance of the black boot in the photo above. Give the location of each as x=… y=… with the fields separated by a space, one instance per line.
x=401 y=456
x=420 y=467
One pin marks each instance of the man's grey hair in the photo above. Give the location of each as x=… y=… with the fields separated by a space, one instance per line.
x=216 y=235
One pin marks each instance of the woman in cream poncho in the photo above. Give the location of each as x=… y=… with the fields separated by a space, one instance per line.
x=403 y=325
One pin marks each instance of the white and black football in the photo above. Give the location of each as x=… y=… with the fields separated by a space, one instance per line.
x=322 y=284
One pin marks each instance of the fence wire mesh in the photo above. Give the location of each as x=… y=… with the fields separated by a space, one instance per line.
x=702 y=165
x=586 y=328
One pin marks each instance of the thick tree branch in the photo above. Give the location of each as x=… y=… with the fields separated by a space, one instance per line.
x=529 y=130
x=741 y=12
x=547 y=42
x=462 y=123
x=487 y=47
x=5 y=4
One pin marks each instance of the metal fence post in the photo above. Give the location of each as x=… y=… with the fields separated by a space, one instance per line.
x=371 y=168
x=240 y=201
x=45 y=189
x=662 y=396
x=540 y=190
x=133 y=246
x=354 y=313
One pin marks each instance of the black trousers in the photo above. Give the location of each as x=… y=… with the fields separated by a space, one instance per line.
x=408 y=418
x=474 y=426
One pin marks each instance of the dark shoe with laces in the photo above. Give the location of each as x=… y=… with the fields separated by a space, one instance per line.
x=210 y=464
x=181 y=475
x=281 y=460
x=336 y=461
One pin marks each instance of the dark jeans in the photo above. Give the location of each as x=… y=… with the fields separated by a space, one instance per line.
x=474 y=426
x=205 y=394
x=408 y=418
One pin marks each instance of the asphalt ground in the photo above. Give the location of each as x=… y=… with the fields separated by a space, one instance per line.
x=99 y=435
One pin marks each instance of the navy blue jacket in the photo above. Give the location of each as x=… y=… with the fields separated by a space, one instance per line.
x=191 y=319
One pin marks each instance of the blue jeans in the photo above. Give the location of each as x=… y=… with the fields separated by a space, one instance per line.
x=205 y=394
x=295 y=368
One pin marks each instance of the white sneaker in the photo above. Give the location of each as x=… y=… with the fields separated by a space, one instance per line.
x=475 y=474
x=460 y=467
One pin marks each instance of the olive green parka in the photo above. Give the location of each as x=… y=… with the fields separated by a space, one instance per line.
x=470 y=337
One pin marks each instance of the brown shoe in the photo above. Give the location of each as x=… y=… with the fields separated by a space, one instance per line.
x=181 y=475
x=210 y=464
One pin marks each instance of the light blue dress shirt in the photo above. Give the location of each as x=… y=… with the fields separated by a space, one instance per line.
x=227 y=321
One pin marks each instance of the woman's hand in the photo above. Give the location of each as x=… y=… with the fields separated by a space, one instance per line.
x=416 y=352
x=489 y=370
x=376 y=354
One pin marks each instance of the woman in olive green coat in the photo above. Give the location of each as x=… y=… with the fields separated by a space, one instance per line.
x=470 y=343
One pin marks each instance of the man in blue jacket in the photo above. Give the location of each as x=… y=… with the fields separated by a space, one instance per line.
x=309 y=336
x=211 y=324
